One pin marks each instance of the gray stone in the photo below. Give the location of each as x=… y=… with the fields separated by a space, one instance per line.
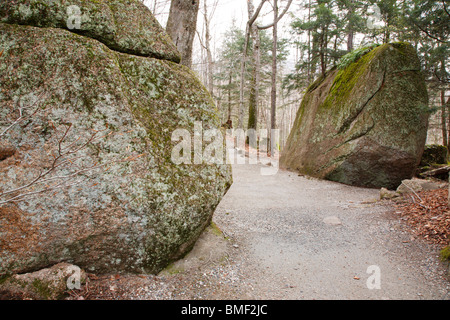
x=364 y=125
x=124 y=205
x=417 y=185
x=46 y=284
x=332 y=220
x=123 y=25
x=388 y=194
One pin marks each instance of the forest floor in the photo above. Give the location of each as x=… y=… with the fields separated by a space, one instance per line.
x=286 y=236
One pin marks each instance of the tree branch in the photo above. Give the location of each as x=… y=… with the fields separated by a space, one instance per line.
x=21 y=115
x=278 y=19
x=445 y=8
x=428 y=34
x=256 y=14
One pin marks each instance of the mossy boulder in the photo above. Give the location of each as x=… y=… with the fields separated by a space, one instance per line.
x=365 y=124
x=101 y=121
x=123 y=25
x=434 y=154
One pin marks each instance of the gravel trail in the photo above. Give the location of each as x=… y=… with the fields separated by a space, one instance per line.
x=303 y=238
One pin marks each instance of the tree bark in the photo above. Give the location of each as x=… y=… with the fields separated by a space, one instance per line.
x=273 y=95
x=444 y=120
x=350 y=34
x=322 y=46
x=350 y=41
x=254 y=89
x=229 y=95
x=250 y=22
x=181 y=27
x=208 y=50
x=309 y=45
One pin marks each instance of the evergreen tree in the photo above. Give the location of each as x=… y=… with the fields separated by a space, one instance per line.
x=227 y=75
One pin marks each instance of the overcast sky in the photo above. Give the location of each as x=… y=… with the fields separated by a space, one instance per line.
x=225 y=13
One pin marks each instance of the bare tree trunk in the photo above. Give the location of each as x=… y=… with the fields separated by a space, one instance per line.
x=273 y=94
x=350 y=41
x=323 y=42
x=241 y=86
x=229 y=96
x=254 y=89
x=181 y=27
x=445 y=111
x=256 y=77
x=444 y=120
x=350 y=34
x=244 y=60
x=208 y=48
x=447 y=107
x=309 y=45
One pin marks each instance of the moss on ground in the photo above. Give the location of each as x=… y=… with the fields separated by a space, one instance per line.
x=445 y=254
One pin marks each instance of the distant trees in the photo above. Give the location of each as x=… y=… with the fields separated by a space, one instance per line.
x=330 y=27
x=240 y=70
x=228 y=76
x=428 y=23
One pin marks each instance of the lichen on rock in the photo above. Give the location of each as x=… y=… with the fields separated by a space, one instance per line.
x=365 y=124
x=101 y=119
x=123 y=25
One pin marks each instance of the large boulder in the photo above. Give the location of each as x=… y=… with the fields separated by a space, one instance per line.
x=87 y=176
x=122 y=25
x=365 y=124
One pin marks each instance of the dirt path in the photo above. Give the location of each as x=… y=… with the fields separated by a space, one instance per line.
x=301 y=238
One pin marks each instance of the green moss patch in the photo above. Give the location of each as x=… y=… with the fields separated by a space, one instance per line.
x=354 y=56
x=445 y=254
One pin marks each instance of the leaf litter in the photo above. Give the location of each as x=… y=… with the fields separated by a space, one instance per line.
x=427 y=214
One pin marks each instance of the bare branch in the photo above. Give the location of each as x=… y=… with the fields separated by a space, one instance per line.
x=21 y=115
x=256 y=14
x=427 y=33
x=443 y=3
x=64 y=157
x=278 y=19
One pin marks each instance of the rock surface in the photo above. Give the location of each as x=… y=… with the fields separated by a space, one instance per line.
x=122 y=25
x=46 y=284
x=91 y=131
x=388 y=194
x=434 y=154
x=364 y=125
x=417 y=185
